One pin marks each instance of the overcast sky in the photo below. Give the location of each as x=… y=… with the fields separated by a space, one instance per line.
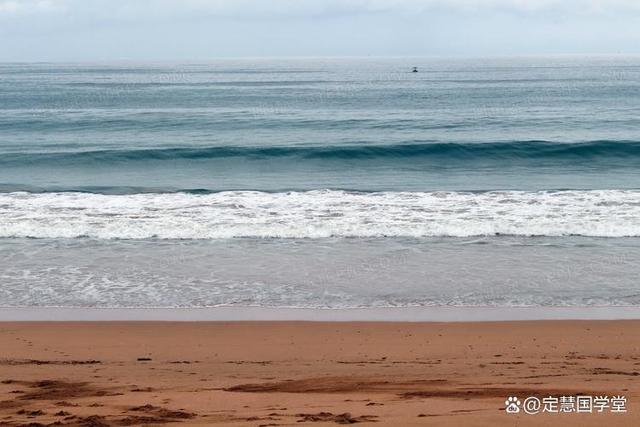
x=76 y=30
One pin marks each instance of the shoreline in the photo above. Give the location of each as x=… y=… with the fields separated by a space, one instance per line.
x=404 y=314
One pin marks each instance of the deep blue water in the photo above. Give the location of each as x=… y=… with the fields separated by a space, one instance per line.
x=367 y=124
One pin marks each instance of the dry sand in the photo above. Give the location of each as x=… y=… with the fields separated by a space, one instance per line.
x=301 y=373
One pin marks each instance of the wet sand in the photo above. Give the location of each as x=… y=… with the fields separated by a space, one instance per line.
x=312 y=373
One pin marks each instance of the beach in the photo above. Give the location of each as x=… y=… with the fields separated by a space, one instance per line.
x=282 y=213
x=320 y=241
x=115 y=373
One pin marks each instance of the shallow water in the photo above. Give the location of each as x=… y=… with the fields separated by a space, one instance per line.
x=320 y=273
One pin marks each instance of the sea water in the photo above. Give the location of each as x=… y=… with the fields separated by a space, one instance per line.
x=326 y=183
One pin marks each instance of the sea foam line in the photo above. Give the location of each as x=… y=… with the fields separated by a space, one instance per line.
x=320 y=214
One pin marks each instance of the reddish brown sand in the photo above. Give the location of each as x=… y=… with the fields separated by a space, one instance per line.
x=316 y=374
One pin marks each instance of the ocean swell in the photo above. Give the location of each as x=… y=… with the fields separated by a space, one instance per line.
x=438 y=151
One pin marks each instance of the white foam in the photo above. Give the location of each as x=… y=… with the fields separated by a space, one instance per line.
x=319 y=214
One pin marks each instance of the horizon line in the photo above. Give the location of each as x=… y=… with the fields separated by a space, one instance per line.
x=295 y=57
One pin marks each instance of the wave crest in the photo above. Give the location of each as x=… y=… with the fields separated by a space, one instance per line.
x=513 y=150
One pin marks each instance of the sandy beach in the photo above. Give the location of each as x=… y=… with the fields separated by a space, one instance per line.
x=312 y=373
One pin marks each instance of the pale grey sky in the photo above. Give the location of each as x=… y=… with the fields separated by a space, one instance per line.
x=77 y=30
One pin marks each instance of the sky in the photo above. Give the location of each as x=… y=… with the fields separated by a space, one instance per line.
x=96 y=30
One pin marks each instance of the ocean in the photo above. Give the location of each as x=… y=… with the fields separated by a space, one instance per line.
x=321 y=183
